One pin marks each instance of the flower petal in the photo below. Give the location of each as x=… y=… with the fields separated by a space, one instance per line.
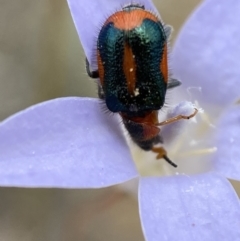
x=203 y=207
x=206 y=53
x=89 y=17
x=227 y=158
x=66 y=142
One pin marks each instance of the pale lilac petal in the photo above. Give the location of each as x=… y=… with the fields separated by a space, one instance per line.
x=203 y=207
x=66 y=142
x=89 y=17
x=206 y=53
x=227 y=158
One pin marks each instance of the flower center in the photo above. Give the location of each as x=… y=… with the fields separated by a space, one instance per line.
x=191 y=150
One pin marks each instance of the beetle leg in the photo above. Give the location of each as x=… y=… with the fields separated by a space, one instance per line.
x=177 y=118
x=168 y=30
x=92 y=74
x=100 y=93
x=161 y=153
x=173 y=83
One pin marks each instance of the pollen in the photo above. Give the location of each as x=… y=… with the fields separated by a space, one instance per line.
x=136 y=92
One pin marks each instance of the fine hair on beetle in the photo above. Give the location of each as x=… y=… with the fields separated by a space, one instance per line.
x=132 y=53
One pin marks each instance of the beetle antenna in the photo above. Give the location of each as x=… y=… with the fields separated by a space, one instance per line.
x=169 y=161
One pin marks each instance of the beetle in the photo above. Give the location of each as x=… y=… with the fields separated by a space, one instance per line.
x=132 y=57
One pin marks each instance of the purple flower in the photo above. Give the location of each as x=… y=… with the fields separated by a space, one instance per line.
x=72 y=143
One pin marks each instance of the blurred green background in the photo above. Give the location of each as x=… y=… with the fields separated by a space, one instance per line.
x=41 y=58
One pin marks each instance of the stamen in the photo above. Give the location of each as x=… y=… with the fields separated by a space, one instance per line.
x=163 y=154
x=199 y=152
